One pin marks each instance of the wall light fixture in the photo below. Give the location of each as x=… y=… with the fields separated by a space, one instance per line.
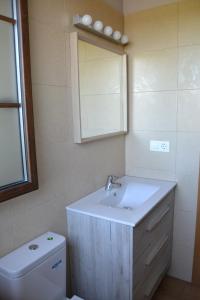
x=97 y=27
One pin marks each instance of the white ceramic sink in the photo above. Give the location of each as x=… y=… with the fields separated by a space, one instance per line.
x=130 y=196
x=127 y=204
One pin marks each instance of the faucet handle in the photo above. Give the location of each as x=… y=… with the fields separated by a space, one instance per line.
x=114 y=178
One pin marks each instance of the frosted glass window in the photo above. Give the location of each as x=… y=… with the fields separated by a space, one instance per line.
x=8 y=85
x=10 y=148
x=18 y=169
x=6 y=8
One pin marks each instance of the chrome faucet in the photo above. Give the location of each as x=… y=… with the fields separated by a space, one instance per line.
x=111 y=182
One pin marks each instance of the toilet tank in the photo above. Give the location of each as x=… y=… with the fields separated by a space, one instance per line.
x=35 y=271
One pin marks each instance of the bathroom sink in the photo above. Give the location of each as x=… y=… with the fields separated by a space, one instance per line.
x=127 y=204
x=130 y=196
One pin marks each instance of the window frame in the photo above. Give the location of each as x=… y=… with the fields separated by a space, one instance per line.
x=31 y=184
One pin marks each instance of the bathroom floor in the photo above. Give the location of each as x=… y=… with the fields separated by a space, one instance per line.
x=175 y=289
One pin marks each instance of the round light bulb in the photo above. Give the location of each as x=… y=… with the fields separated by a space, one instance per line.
x=108 y=30
x=117 y=35
x=124 y=39
x=86 y=20
x=98 y=25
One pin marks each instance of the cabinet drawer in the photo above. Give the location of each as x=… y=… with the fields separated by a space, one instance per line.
x=156 y=224
x=153 y=256
x=156 y=272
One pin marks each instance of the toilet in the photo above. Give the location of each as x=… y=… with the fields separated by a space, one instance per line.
x=36 y=270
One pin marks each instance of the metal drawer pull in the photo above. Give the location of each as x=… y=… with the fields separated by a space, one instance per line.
x=156 y=250
x=157 y=220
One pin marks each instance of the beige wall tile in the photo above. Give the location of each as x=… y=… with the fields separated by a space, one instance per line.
x=186 y=192
x=187 y=170
x=49 y=12
x=189 y=22
x=6 y=228
x=109 y=161
x=138 y=154
x=189 y=68
x=181 y=266
x=189 y=110
x=150 y=173
x=53 y=167
x=188 y=152
x=154 y=111
x=53 y=122
x=37 y=220
x=153 y=70
x=48 y=54
x=184 y=227
x=153 y=29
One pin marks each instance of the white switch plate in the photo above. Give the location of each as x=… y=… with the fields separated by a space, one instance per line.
x=159 y=146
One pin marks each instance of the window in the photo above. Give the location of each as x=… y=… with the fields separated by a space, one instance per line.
x=18 y=171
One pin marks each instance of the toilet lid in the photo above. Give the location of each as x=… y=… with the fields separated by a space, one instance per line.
x=24 y=259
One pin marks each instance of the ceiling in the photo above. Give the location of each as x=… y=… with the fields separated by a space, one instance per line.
x=137 y=5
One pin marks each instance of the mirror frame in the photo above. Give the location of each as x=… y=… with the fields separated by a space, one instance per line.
x=75 y=81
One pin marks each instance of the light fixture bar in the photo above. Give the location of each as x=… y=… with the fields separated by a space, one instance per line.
x=77 y=21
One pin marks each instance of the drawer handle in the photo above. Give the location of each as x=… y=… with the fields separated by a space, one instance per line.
x=156 y=250
x=157 y=220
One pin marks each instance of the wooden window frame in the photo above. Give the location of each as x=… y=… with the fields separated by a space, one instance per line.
x=31 y=184
x=196 y=259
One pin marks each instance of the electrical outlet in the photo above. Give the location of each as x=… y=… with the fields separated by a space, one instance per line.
x=159 y=146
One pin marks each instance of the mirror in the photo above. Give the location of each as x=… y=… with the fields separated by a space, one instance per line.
x=99 y=85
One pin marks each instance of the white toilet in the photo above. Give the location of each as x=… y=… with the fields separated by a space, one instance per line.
x=35 y=271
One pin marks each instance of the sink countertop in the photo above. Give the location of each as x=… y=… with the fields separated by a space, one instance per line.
x=91 y=205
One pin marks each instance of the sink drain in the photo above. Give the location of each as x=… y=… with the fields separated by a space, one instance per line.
x=127 y=207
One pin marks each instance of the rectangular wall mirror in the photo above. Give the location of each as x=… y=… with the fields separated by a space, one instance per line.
x=99 y=90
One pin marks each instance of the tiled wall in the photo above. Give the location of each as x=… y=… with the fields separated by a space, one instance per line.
x=164 y=93
x=66 y=171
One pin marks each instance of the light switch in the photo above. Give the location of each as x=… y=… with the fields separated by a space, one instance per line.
x=159 y=146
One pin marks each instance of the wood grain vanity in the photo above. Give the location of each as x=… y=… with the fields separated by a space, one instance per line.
x=110 y=260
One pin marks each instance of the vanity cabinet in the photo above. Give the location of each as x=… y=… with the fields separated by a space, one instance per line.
x=114 y=261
